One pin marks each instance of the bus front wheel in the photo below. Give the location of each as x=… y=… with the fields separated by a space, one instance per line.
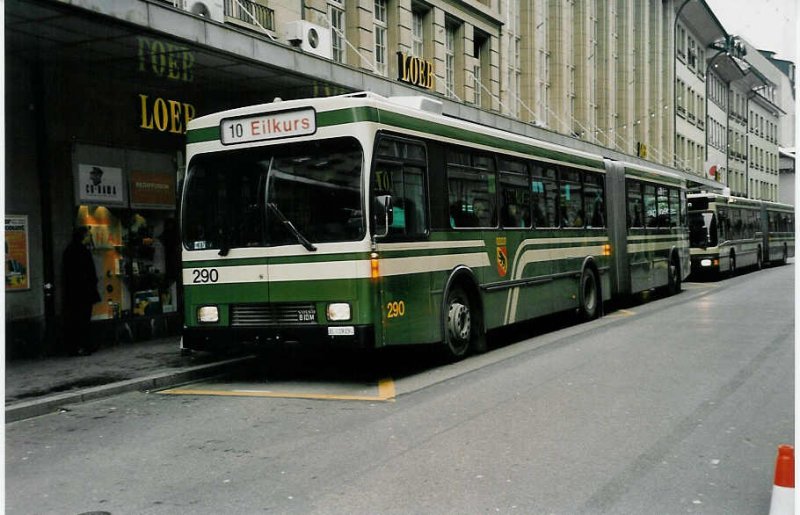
x=461 y=324
x=589 y=295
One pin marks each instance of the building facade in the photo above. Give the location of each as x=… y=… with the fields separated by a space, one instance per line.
x=99 y=94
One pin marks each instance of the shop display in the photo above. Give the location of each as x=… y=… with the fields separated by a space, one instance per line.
x=134 y=255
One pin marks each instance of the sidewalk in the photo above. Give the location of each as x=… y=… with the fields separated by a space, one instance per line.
x=38 y=386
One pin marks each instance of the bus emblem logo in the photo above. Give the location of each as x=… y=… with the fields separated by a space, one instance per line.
x=502 y=260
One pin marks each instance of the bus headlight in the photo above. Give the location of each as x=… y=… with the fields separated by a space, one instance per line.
x=705 y=262
x=208 y=314
x=338 y=311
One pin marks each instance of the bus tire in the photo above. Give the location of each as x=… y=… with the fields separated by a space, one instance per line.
x=785 y=255
x=732 y=265
x=589 y=295
x=674 y=276
x=459 y=323
x=759 y=263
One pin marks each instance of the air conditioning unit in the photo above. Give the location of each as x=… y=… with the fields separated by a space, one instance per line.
x=211 y=9
x=311 y=38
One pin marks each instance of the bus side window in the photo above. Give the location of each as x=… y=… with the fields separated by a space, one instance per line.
x=634 y=200
x=545 y=192
x=472 y=189
x=514 y=194
x=571 y=199
x=593 y=196
x=402 y=176
x=650 y=206
x=674 y=207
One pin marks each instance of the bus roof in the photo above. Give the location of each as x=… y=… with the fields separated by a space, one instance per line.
x=416 y=114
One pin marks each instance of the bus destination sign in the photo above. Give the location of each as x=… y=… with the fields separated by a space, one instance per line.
x=285 y=124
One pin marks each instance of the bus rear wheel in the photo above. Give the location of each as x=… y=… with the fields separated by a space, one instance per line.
x=759 y=263
x=732 y=265
x=589 y=295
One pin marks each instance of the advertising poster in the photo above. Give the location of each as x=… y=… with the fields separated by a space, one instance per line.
x=152 y=190
x=17 y=263
x=100 y=185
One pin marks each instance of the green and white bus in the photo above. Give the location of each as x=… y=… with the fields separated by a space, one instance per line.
x=728 y=233
x=372 y=222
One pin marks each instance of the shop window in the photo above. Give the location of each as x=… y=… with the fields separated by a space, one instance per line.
x=136 y=260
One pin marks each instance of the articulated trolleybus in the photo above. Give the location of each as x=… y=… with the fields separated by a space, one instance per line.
x=727 y=233
x=372 y=222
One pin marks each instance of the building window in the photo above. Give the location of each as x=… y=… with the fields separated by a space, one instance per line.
x=380 y=36
x=450 y=60
x=417 y=33
x=481 y=66
x=516 y=76
x=336 y=17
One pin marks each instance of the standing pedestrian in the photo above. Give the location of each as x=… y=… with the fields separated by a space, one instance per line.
x=80 y=293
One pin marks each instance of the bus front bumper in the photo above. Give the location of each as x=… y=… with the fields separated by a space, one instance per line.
x=217 y=339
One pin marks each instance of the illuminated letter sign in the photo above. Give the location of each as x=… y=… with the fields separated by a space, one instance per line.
x=164 y=115
x=415 y=70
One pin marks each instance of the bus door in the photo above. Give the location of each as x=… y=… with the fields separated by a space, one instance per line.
x=406 y=308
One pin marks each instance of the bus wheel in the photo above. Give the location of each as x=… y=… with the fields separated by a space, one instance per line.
x=458 y=323
x=759 y=264
x=674 y=279
x=785 y=255
x=589 y=295
x=732 y=265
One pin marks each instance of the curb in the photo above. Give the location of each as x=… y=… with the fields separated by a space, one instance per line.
x=52 y=403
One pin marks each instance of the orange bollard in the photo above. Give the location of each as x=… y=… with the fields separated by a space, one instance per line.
x=782 y=502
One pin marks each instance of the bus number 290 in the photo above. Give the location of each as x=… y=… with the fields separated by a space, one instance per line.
x=395 y=309
x=205 y=275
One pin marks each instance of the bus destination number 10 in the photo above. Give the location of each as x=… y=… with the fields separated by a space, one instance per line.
x=205 y=275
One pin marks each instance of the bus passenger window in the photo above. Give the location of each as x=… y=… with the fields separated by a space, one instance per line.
x=545 y=191
x=515 y=194
x=650 y=206
x=635 y=207
x=472 y=189
x=593 y=195
x=571 y=199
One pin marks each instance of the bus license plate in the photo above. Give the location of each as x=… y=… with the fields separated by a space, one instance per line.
x=306 y=315
x=342 y=331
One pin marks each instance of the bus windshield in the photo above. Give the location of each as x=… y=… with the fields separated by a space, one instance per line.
x=702 y=229
x=300 y=193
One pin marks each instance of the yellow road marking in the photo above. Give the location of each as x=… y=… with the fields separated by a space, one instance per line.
x=386 y=392
x=621 y=313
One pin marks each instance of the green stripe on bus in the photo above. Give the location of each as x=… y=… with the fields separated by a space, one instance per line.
x=201 y=135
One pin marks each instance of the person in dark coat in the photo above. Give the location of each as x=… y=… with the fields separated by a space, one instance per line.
x=80 y=293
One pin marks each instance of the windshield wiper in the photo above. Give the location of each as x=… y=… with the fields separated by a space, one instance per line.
x=290 y=226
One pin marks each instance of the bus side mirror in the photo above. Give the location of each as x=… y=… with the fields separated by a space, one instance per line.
x=384 y=214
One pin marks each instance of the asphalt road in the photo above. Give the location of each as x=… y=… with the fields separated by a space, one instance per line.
x=676 y=405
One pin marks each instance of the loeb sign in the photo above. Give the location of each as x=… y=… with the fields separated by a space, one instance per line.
x=415 y=70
